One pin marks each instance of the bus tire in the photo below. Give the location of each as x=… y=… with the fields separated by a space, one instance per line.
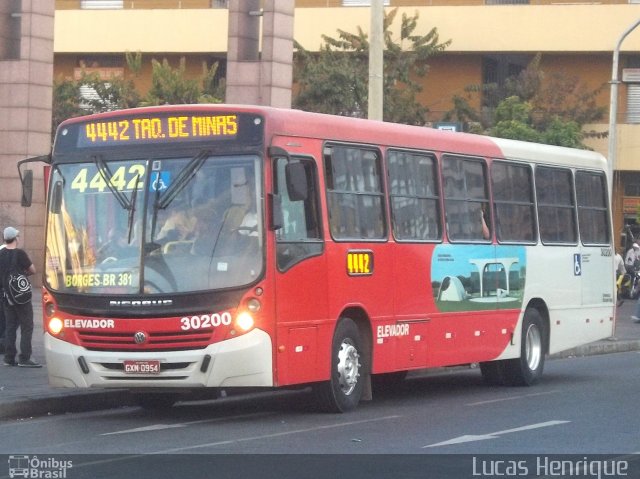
x=343 y=391
x=527 y=369
x=155 y=401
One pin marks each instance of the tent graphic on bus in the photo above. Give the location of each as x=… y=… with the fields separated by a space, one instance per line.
x=478 y=277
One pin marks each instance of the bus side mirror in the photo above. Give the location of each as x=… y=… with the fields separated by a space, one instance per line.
x=55 y=206
x=277 y=218
x=27 y=188
x=296 y=179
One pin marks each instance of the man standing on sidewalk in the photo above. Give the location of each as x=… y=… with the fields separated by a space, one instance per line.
x=16 y=315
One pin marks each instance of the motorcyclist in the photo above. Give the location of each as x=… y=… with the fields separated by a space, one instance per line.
x=632 y=257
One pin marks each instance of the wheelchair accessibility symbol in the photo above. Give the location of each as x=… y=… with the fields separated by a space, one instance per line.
x=160 y=180
x=577 y=265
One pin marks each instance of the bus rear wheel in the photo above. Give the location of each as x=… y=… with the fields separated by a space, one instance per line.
x=344 y=389
x=527 y=369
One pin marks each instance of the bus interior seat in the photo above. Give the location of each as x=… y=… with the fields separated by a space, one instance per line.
x=177 y=247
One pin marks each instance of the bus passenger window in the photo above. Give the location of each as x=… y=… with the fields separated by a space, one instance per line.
x=513 y=202
x=466 y=199
x=591 y=191
x=414 y=195
x=556 y=209
x=354 y=193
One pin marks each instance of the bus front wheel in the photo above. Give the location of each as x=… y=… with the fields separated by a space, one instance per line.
x=527 y=369
x=344 y=389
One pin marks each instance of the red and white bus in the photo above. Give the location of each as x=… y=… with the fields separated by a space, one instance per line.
x=205 y=247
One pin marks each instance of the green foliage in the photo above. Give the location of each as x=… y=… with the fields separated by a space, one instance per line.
x=536 y=107
x=513 y=108
x=66 y=102
x=112 y=94
x=514 y=120
x=335 y=80
x=563 y=133
x=169 y=86
x=462 y=111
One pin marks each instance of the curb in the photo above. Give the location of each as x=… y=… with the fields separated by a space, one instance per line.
x=607 y=346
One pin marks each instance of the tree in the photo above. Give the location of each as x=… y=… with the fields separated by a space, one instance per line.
x=169 y=86
x=537 y=107
x=335 y=80
x=513 y=120
x=66 y=102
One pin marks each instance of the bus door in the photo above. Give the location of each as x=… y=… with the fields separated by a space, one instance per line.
x=596 y=255
x=300 y=274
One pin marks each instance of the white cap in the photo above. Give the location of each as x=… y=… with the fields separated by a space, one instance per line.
x=635 y=245
x=10 y=233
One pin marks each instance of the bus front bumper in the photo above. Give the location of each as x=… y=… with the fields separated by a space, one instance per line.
x=245 y=361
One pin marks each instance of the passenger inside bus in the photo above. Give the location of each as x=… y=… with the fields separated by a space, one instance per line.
x=486 y=234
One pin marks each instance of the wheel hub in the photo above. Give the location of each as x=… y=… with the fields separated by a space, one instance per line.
x=348 y=367
x=533 y=347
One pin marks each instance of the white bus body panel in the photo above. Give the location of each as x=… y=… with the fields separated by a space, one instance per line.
x=580 y=302
x=245 y=361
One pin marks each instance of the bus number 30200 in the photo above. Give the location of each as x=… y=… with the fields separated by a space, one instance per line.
x=205 y=321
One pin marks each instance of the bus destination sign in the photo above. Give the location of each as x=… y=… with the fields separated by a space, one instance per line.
x=152 y=129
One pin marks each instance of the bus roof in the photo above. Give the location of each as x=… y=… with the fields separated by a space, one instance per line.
x=298 y=123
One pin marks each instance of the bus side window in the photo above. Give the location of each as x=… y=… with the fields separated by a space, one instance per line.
x=355 y=197
x=414 y=196
x=466 y=199
x=300 y=236
x=591 y=192
x=556 y=208
x=513 y=202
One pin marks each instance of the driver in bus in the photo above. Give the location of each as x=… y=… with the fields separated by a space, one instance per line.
x=180 y=225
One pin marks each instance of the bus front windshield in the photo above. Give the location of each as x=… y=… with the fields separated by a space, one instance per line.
x=154 y=226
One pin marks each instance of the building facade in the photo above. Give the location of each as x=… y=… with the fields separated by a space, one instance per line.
x=26 y=74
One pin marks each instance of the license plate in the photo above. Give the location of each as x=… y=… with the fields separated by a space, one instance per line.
x=142 y=367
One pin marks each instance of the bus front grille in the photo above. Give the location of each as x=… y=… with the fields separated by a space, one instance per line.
x=153 y=341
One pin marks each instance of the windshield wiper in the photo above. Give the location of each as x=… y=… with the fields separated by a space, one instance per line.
x=182 y=180
x=128 y=204
x=107 y=176
x=132 y=209
x=163 y=200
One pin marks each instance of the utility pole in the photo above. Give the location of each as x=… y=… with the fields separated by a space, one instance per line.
x=376 y=61
x=613 y=109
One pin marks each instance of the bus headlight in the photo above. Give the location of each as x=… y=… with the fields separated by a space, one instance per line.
x=55 y=326
x=244 y=322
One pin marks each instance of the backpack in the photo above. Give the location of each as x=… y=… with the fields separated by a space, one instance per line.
x=17 y=287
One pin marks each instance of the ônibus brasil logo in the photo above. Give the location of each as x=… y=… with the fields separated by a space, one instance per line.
x=40 y=468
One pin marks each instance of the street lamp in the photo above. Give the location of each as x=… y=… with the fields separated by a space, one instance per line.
x=613 y=108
